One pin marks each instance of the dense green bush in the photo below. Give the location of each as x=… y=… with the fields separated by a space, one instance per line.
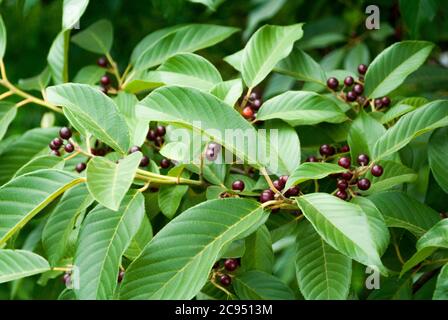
x=287 y=161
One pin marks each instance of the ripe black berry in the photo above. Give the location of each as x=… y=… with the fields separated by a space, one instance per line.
x=165 y=163
x=293 y=191
x=364 y=184
x=351 y=96
x=80 y=167
x=385 y=101
x=345 y=149
x=347 y=176
x=248 y=113
x=342 y=184
x=134 y=149
x=253 y=96
x=55 y=153
x=230 y=264
x=283 y=180
x=144 y=162
x=378 y=103
x=159 y=141
x=105 y=80
x=160 y=131
x=332 y=83
x=362 y=69
x=377 y=170
x=348 y=81
x=102 y=62
x=57 y=142
x=67 y=279
x=266 y=195
x=341 y=194
x=363 y=160
x=65 y=133
x=358 y=89
x=151 y=136
x=225 y=280
x=326 y=150
x=210 y=154
x=120 y=276
x=69 y=148
x=238 y=185
x=344 y=162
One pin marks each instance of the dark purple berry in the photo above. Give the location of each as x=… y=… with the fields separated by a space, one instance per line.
x=254 y=95
x=347 y=176
x=159 y=141
x=105 y=80
x=160 y=131
x=165 y=163
x=230 y=264
x=341 y=194
x=385 y=101
x=342 y=184
x=256 y=104
x=225 y=280
x=266 y=195
x=102 y=62
x=120 y=276
x=55 y=153
x=144 y=162
x=332 y=83
x=362 y=69
x=311 y=159
x=134 y=149
x=326 y=150
x=349 y=81
x=278 y=184
x=358 y=89
x=69 y=148
x=238 y=185
x=351 y=96
x=363 y=160
x=65 y=133
x=151 y=136
x=57 y=142
x=67 y=279
x=293 y=191
x=344 y=162
x=80 y=167
x=378 y=103
x=364 y=184
x=345 y=149
x=210 y=154
x=377 y=170
x=283 y=180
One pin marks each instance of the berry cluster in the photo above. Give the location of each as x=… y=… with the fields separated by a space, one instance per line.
x=105 y=81
x=326 y=151
x=354 y=89
x=212 y=151
x=145 y=160
x=156 y=135
x=63 y=142
x=229 y=265
x=253 y=105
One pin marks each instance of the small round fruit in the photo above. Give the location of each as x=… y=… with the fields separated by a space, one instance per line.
x=144 y=162
x=134 y=149
x=362 y=69
x=266 y=195
x=363 y=160
x=332 y=83
x=248 y=113
x=69 y=148
x=342 y=184
x=55 y=153
x=326 y=150
x=341 y=194
x=210 y=154
x=283 y=180
x=238 y=185
x=159 y=141
x=278 y=184
x=160 y=131
x=344 y=149
x=377 y=170
x=230 y=264
x=349 y=81
x=351 y=96
x=57 y=142
x=293 y=191
x=165 y=163
x=67 y=279
x=253 y=96
x=311 y=159
x=385 y=101
x=225 y=280
x=358 y=89
x=65 y=133
x=378 y=103
x=364 y=184
x=105 y=80
x=256 y=104
x=347 y=176
x=120 y=276
x=151 y=136
x=102 y=62
x=344 y=162
x=80 y=167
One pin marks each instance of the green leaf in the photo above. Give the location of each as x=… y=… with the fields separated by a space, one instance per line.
x=358 y=140
x=189 y=38
x=94 y=112
x=41 y=162
x=206 y=114
x=417 y=13
x=17 y=264
x=437 y=155
x=228 y=91
x=103 y=239
x=264 y=10
x=424 y=119
x=58 y=57
x=259 y=254
x=401 y=211
x=72 y=12
x=312 y=171
x=38 y=82
x=344 y=226
x=301 y=108
x=3 y=38
x=265 y=49
x=176 y=263
x=393 y=65
x=97 y=38
x=322 y=272
x=235 y=60
x=394 y=175
x=140 y=240
x=61 y=222
x=435 y=238
x=171 y=196
x=441 y=291
x=19 y=152
x=211 y=4
x=108 y=181
x=401 y=108
x=181 y=69
x=258 y=285
x=302 y=67
x=89 y=75
x=357 y=55
x=8 y=112
x=37 y=190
